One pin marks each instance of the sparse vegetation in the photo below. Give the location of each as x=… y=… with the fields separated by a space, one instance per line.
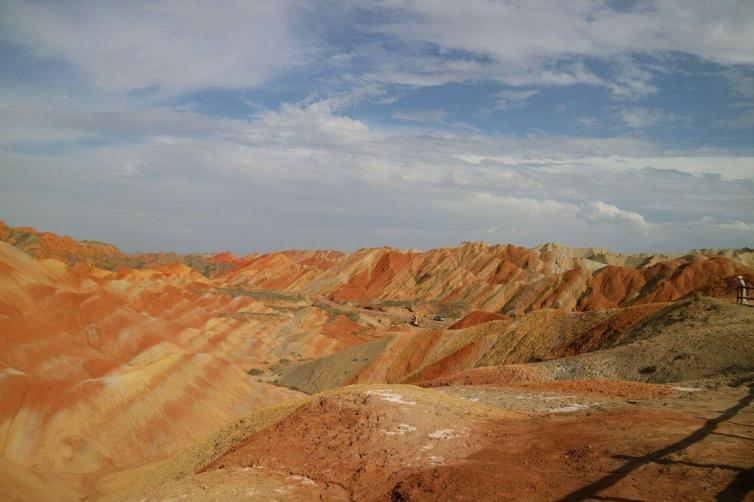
x=255 y=371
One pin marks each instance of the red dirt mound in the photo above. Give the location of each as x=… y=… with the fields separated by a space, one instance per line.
x=342 y=329
x=714 y=276
x=477 y=317
x=370 y=283
x=398 y=444
x=610 y=287
x=610 y=331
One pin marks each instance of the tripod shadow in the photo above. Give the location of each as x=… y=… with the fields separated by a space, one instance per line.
x=742 y=484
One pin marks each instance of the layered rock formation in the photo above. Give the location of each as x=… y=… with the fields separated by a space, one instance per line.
x=474 y=275
x=497 y=278
x=113 y=362
x=159 y=357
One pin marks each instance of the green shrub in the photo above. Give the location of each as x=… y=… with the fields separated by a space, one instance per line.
x=255 y=371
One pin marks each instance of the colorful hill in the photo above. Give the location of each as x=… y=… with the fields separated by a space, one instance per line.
x=162 y=376
x=661 y=342
x=159 y=357
x=495 y=278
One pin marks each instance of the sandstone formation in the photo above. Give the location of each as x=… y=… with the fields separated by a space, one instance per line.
x=494 y=278
x=159 y=357
x=157 y=376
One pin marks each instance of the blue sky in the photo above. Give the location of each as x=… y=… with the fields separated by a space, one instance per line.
x=252 y=126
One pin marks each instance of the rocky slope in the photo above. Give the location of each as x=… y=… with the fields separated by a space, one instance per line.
x=661 y=342
x=506 y=279
x=496 y=278
x=404 y=443
x=158 y=357
x=106 y=256
x=116 y=367
x=66 y=249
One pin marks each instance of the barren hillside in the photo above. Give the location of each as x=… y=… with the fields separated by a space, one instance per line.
x=496 y=278
x=149 y=377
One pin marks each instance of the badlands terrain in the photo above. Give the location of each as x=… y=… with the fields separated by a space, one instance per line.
x=545 y=373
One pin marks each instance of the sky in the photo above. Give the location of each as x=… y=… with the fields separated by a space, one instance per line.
x=260 y=125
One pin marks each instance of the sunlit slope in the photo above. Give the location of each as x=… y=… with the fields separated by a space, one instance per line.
x=157 y=358
x=695 y=339
x=66 y=249
x=473 y=275
x=107 y=256
x=661 y=342
x=501 y=278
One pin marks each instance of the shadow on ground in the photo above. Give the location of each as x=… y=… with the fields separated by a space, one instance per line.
x=737 y=489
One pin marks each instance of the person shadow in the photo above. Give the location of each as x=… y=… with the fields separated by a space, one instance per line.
x=737 y=489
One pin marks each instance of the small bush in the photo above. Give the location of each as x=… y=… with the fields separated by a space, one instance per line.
x=255 y=371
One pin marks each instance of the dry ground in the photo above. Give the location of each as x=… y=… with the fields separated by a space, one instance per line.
x=519 y=442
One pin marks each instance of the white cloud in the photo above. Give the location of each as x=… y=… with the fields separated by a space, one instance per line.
x=513 y=99
x=271 y=181
x=588 y=122
x=738 y=226
x=175 y=46
x=744 y=120
x=536 y=43
x=313 y=123
x=434 y=70
x=307 y=174
x=639 y=117
x=707 y=28
x=631 y=82
x=600 y=211
x=438 y=117
x=420 y=115
x=32 y=123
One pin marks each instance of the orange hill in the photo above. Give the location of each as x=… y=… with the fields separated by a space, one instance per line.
x=159 y=357
x=497 y=278
x=473 y=276
x=106 y=256
x=66 y=249
x=476 y=317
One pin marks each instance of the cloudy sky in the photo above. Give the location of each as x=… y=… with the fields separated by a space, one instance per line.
x=260 y=125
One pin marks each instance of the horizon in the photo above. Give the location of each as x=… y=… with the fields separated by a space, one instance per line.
x=244 y=253
x=321 y=125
